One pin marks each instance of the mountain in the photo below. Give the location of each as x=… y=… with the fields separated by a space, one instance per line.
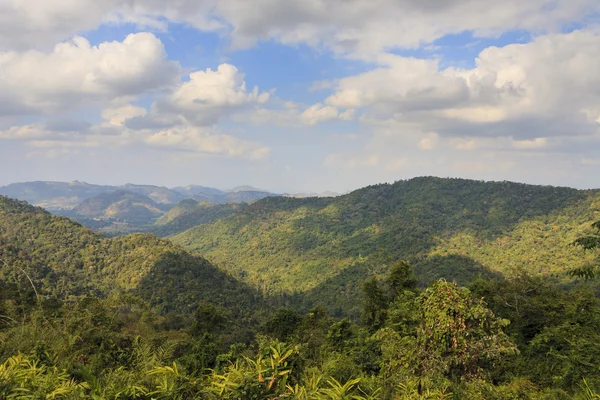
x=57 y=196
x=120 y=205
x=452 y=228
x=304 y=195
x=190 y=213
x=192 y=190
x=159 y=194
x=54 y=195
x=64 y=259
x=245 y=188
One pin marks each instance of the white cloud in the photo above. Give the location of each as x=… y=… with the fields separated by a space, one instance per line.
x=181 y=138
x=202 y=100
x=203 y=140
x=119 y=114
x=429 y=142
x=369 y=27
x=319 y=113
x=76 y=73
x=537 y=143
x=545 y=88
x=357 y=26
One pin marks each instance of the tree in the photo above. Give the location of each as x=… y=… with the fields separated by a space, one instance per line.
x=589 y=242
x=401 y=278
x=459 y=336
x=375 y=305
x=283 y=323
x=208 y=318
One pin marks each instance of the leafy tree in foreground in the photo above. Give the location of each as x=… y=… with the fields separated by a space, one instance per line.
x=459 y=337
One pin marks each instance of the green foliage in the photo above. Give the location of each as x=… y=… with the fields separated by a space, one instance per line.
x=64 y=259
x=459 y=336
x=136 y=317
x=24 y=378
x=190 y=213
x=590 y=242
x=324 y=248
x=375 y=305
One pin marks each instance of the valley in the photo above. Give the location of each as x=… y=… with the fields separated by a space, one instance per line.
x=349 y=289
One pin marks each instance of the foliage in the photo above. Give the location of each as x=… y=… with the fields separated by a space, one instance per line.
x=446 y=228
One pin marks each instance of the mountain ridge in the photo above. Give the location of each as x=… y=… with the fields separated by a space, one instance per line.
x=443 y=226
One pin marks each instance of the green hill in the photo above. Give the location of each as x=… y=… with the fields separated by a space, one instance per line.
x=452 y=228
x=190 y=213
x=64 y=259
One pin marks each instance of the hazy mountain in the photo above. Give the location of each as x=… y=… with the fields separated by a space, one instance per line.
x=121 y=205
x=192 y=190
x=54 y=195
x=245 y=188
x=159 y=194
x=66 y=195
x=305 y=195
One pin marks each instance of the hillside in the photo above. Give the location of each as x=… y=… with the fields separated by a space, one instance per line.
x=64 y=259
x=190 y=213
x=120 y=205
x=451 y=228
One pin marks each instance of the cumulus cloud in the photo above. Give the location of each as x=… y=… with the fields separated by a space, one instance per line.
x=545 y=88
x=357 y=26
x=319 y=113
x=178 y=138
x=76 y=73
x=202 y=100
x=203 y=140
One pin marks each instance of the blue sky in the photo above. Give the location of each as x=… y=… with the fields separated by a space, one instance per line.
x=299 y=95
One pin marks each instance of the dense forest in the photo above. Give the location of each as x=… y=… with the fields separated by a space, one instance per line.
x=424 y=289
x=319 y=250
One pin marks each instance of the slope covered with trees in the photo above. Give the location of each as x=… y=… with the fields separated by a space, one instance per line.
x=190 y=213
x=65 y=260
x=135 y=317
x=451 y=228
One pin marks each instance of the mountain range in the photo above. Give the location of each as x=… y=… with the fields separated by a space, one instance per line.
x=67 y=195
x=320 y=250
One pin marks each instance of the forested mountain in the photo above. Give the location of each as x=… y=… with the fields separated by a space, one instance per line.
x=64 y=259
x=83 y=316
x=190 y=213
x=121 y=205
x=452 y=228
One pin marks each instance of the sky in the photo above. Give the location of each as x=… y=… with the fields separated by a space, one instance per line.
x=299 y=95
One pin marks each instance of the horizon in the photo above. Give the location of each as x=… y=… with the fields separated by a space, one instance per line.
x=313 y=96
x=231 y=189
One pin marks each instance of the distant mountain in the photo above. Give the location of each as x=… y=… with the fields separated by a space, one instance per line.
x=64 y=259
x=448 y=228
x=121 y=205
x=67 y=195
x=245 y=188
x=159 y=194
x=54 y=195
x=305 y=195
x=192 y=190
